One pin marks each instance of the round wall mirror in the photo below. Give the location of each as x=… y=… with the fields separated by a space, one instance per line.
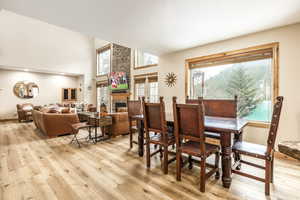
x=26 y=90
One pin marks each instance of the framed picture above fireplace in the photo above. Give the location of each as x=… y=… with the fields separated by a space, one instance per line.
x=118 y=82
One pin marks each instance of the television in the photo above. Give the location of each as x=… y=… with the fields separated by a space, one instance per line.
x=118 y=81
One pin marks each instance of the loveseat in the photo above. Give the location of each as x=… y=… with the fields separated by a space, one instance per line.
x=54 y=124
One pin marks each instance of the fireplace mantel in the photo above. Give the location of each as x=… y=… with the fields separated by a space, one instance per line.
x=119 y=96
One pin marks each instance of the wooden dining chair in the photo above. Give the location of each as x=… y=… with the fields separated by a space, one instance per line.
x=265 y=153
x=155 y=121
x=189 y=126
x=134 y=107
x=217 y=108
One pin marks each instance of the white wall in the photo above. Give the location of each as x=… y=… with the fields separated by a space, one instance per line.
x=289 y=59
x=39 y=46
x=50 y=89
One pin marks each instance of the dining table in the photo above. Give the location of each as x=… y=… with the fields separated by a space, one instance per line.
x=226 y=127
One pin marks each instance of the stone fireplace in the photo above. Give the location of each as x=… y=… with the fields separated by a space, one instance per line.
x=120 y=62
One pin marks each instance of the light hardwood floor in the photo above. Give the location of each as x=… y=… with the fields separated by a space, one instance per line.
x=34 y=167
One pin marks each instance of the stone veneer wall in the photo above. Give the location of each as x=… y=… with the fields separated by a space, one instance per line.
x=121 y=60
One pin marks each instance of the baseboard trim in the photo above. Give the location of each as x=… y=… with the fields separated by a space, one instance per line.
x=280 y=155
x=8 y=120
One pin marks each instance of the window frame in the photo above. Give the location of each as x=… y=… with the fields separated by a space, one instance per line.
x=145 y=77
x=98 y=51
x=272 y=47
x=100 y=84
x=136 y=64
x=152 y=80
x=135 y=89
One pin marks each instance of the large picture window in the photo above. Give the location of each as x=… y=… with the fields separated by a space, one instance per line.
x=144 y=59
x=251 y=74
x=103 y=60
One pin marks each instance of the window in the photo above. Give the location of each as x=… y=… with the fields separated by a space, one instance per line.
x=143 y=59
x=103 y=95
x=153 y=89
x=146 y=86
x=139 y=85
x=103 y=60
x=251 y=75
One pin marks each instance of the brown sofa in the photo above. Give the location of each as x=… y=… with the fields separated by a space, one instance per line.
x=120 y=124
x=54 y=124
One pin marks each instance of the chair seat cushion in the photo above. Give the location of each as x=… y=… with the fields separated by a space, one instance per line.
x=158 y=137
x=251 y=149
x=212 y=135
x=80 y=125
x=191 y=147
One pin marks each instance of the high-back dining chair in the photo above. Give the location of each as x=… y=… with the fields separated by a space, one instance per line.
x=265 y=153
x=155 y=121
x=134 y=107
x=217 y=108
x=189 y=126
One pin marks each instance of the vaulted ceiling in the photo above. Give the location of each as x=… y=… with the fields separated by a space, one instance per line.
x=161 y=26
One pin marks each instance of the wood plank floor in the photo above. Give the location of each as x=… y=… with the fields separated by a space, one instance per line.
x=34 y=167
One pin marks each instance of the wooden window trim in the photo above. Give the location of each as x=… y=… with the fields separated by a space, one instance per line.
x=100 y=50
x=152 y=79
x=272 y=47
x=145 y=75
x=144 y=66
x=102 y=84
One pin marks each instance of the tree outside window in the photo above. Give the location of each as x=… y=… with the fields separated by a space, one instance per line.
x=251 y=81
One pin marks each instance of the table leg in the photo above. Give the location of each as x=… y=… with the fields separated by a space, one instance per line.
x=140 y=126
x=108 y=131
x=237 y=156
x=96 y=133
x=226 y=159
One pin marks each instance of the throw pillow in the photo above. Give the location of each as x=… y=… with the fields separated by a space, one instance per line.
x=65 y=110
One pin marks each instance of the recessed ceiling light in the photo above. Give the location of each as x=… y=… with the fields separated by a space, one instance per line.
x=62 y=73
x=26 y=70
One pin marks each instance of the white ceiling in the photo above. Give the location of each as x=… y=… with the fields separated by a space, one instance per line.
x=161 y=26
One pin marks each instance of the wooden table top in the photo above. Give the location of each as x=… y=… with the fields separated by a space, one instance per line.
x=213 y=124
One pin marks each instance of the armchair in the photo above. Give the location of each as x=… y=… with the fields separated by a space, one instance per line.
x=24 y=112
